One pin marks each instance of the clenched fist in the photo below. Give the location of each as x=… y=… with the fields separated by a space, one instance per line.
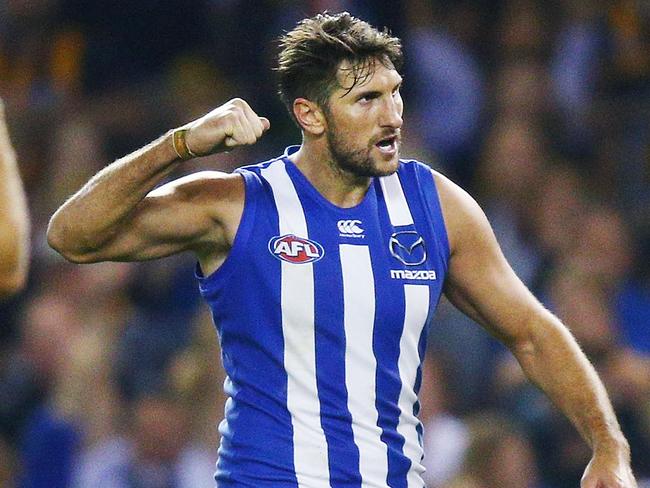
x=609 y=469
x=226 y=127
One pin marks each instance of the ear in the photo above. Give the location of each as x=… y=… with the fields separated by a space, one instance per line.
x=310 y=116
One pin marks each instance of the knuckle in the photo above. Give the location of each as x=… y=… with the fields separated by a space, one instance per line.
x=240 y=103
x=228 y=115
x=234 y=116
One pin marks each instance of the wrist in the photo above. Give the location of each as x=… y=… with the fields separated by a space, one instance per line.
x=179 y=143
x=612 y=445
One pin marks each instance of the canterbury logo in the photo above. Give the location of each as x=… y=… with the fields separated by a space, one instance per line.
x=350 y=227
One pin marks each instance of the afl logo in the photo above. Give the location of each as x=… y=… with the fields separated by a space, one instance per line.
x=295 y=250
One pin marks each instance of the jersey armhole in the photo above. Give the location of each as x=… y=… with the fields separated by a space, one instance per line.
x=433 y=205
x=218 y=278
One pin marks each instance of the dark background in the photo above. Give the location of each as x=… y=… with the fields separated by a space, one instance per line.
x=110 y=374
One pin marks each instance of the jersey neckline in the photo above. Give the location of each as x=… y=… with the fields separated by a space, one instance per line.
x=301 y=180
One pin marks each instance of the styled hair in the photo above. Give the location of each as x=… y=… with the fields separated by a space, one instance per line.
x=312 y=52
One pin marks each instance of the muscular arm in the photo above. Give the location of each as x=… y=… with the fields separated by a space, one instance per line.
x=109 y=207
x=482 y=284
x=14 y=218
x=118 y=215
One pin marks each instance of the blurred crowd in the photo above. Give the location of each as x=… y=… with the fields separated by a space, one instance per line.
x=110 y=374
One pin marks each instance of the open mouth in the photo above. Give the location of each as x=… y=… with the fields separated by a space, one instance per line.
x=388 y=145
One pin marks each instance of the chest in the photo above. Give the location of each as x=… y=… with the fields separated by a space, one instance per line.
x=358 y=255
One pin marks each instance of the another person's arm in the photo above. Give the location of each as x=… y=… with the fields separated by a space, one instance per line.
x=118 y=215
x=14 y=218
x=482 y=284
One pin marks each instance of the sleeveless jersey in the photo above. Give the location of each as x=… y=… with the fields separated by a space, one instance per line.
x=322 y=314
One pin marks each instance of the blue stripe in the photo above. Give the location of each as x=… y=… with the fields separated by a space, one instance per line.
x=256 y=445
x=432 y=209
x=336 y=420
x=386 y=345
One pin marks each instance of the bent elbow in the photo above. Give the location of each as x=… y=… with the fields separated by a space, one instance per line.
x=74 y=257
x=59 y=240
x=56 y=237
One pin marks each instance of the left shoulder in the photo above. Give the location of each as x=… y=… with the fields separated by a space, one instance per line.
x=462 y=215
x=464 y=218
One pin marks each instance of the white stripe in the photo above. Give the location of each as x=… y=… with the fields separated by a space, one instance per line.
x=415 y=316
x=297 y=301
x=360 y=363
x=398 y=209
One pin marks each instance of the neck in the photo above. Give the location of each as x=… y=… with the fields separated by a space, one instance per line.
x=338 y=186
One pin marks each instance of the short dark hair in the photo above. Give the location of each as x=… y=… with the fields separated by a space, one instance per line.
x=312 y=52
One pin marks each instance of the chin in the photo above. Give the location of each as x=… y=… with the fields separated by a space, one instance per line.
x=386 y=168
x=369 y=165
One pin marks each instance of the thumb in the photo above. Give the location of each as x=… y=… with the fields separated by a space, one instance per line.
x=266 y=124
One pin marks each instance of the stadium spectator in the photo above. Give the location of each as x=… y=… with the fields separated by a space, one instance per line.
x=576 y=72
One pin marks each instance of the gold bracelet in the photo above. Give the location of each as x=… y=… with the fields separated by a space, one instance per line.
x=180 y=145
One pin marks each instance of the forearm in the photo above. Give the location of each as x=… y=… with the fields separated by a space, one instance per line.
x=14 y=218
x=93 y=215
x=552 y=360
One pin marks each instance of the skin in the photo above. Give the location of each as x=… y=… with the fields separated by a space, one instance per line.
x=117 y=216
x=339 y=153
x=14 y=218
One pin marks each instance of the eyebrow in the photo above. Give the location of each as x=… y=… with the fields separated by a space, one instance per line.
x=368 y=93
x=376 y=93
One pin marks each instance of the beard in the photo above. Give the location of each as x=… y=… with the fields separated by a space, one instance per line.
x=355 y=161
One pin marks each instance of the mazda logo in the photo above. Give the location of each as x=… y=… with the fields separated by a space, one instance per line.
x=408 y=247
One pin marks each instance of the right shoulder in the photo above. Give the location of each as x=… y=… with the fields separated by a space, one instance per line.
x=203 y=184
x=208 y=186
x=218 y=192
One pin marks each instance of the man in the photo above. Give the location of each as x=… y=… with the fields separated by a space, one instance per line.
x=322 y=268
x=14 y=218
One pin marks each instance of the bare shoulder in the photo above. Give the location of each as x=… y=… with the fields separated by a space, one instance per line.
x=463 y=215
x=480 y=282
x=221 y=194
x=215 y=185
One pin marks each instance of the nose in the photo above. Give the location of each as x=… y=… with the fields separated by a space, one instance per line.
x=392 y=113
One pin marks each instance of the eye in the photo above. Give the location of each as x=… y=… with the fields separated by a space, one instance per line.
x=367 y=97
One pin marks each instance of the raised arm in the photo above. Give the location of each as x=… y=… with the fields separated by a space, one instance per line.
x=14 y=218
x=118 y=215
x=482 y=284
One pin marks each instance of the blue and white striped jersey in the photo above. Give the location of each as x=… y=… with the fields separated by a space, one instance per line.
x=322 y=314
